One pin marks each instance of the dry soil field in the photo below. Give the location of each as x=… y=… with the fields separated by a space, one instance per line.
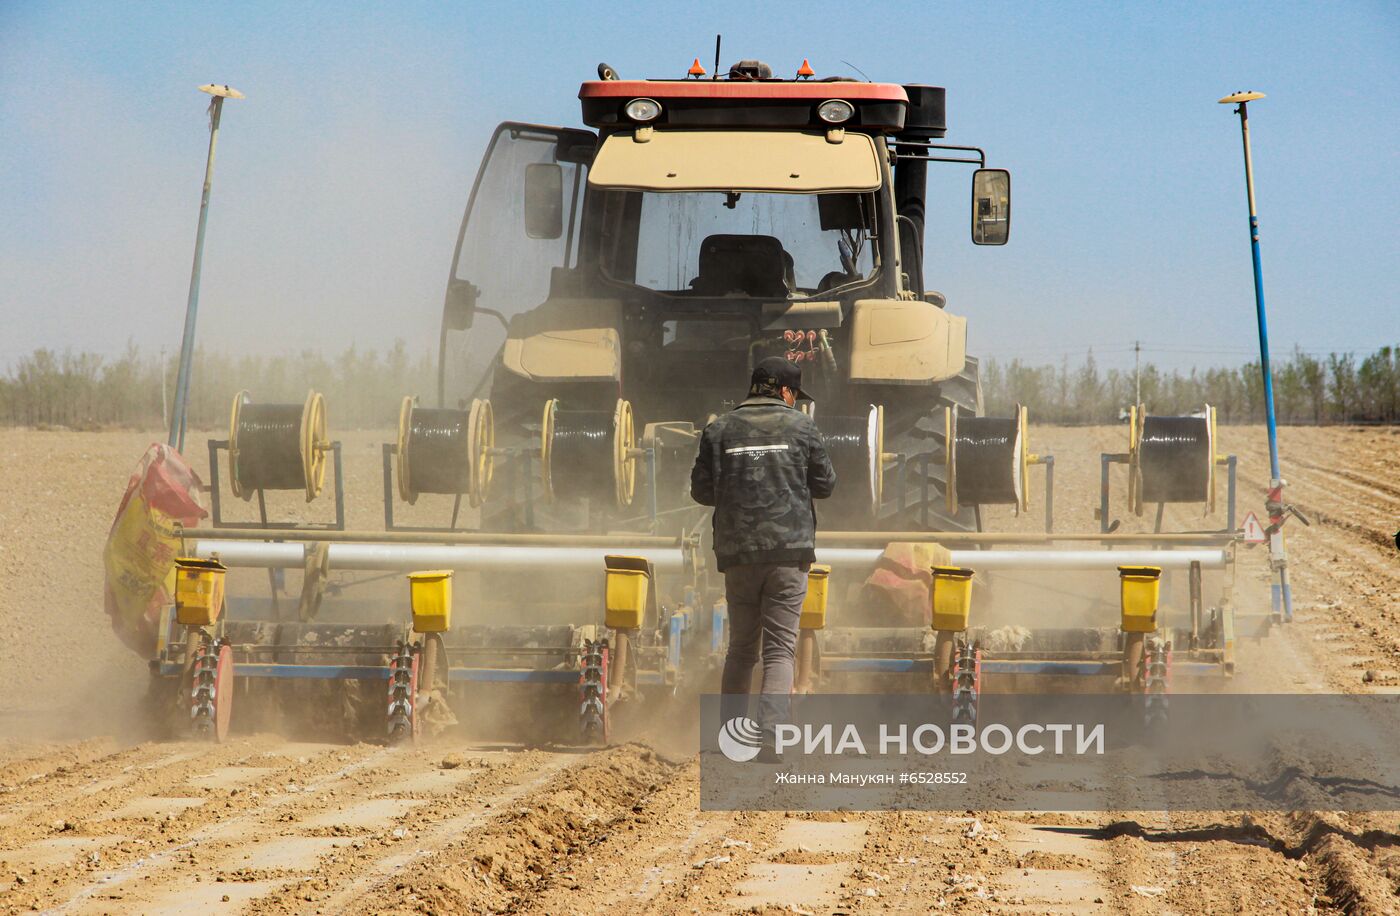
x=95 y=819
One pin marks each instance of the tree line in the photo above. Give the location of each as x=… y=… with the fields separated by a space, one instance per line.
x=363 y=388
x=1307 y=390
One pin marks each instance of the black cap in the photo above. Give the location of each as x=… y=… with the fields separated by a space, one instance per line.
x=774 y=373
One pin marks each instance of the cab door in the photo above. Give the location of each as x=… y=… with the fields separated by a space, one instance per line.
x=521 y=222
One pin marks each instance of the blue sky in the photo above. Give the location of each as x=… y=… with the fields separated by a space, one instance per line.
x=341 y=178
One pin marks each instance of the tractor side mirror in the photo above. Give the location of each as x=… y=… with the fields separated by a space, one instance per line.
x=991 y=206
x=460 y=307
x=544 y=200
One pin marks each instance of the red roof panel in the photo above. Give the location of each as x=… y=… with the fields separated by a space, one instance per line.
x=742 y=89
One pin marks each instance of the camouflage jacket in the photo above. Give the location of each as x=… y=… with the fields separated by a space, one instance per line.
x=760 y=466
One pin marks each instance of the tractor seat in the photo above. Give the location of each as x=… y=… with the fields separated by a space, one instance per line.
x=752 y=265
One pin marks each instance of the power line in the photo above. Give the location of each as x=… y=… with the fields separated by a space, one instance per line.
x=1138 y=347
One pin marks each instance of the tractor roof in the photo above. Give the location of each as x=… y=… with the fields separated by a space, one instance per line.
x=756 y=103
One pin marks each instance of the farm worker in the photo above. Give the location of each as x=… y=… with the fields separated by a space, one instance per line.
x=760 y=466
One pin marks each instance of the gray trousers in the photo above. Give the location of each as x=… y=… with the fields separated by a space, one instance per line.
x=765 y=603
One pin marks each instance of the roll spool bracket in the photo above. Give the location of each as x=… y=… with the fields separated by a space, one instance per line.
x=276 y=447
x=1171 y=459
x=987 y=461
x=440 y=451
x=1160 y=447
x=856 y=446
x=589 y=453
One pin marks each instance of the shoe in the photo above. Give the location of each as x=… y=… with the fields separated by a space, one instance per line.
x=768 y=755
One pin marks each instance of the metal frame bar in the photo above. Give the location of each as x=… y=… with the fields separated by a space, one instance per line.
x=227 y=529
x=1231 y=463
x=390 y=451
x=272 y=671
x=881 y=538
x=1047 y=667
x=502 y=539
x=980 y=161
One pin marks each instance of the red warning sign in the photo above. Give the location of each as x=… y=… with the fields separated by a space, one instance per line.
x=1253 y=531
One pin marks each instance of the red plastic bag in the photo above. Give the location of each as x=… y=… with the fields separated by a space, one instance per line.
x=140 y=555
x=904 y=575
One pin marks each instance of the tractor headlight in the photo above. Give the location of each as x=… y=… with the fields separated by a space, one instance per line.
x=643 y=110
x=835 y=111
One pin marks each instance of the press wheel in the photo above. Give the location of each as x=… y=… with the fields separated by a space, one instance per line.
x=403 y=719
x=1134 y=645
x=944 y=644
x=432 y=670
x=211 y=690
x=594 y=727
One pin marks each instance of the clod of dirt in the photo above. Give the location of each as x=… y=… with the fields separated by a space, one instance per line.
x=712 y=860
x=451 y=762
x=1368 y=676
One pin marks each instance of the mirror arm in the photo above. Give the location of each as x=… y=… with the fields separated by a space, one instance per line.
x=505 y=322
x=442 y=354
x=442 y=366
x=980 y=161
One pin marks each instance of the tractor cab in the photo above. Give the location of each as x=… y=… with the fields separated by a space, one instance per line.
x=696 y=226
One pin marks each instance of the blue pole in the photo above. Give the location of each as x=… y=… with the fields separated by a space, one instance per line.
x=1274 y=501
x=1269 y=416
x=176 y=439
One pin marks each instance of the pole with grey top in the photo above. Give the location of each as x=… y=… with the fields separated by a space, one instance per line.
x=1282 y=593
x=182 y=379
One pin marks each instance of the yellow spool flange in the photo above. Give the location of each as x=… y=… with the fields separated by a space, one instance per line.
x=547 y=447
x=238 y=401
x=877 y=486
x=481 y=439
x=1023 y=435
x=314 y=443
x=624 y=453
x=405 y=424
x=1210 y=425
x=1135 y=415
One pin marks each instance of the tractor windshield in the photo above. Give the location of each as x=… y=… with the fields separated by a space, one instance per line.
x=748 y=244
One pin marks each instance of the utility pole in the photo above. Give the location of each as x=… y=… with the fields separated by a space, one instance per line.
x=1273 y=502
x=182 y=379
x=164 y=404
x=1137 y=372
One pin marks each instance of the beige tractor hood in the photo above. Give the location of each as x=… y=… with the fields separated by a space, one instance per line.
x=749 y=160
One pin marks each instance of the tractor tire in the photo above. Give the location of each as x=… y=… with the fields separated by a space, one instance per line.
x=914 y=430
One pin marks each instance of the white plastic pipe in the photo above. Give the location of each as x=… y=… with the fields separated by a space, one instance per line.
x=996 y=559
x=257 y=554
x=409 y=557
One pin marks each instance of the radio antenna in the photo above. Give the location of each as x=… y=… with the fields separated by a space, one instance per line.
x=715 y=74
x=858 y=70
